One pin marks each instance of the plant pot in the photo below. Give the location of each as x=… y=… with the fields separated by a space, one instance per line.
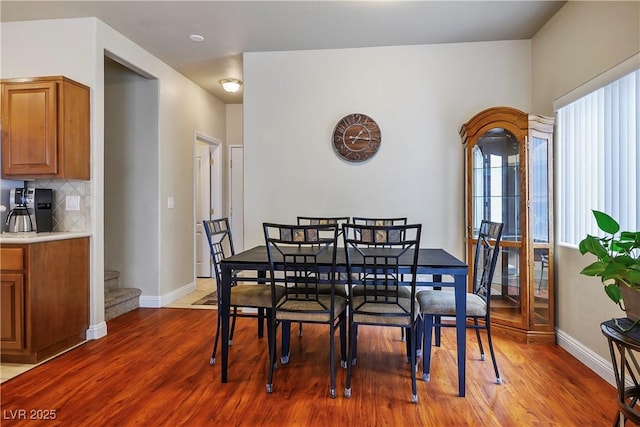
x=631 y=300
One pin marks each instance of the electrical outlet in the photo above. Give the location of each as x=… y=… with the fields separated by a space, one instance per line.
x=72 y=203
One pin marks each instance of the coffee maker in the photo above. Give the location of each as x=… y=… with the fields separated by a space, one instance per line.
x=19 y=218
x=40 y=207
x=31 y=210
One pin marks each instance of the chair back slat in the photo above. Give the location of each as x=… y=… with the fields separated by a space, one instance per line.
x=323 y=220
x=218 y=235
x=486 y=258
x=306 y=258
x=360 y=220
x=371 y=237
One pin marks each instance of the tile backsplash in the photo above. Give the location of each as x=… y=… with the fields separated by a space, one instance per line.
x=64 y=220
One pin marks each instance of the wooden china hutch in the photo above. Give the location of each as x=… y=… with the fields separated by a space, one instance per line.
x=509 y=179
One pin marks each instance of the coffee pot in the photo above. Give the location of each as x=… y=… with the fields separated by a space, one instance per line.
x=19 y=220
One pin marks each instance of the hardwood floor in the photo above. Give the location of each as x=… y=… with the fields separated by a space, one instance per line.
x=153 y=369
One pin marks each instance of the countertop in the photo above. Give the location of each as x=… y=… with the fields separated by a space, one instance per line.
x=33 y=237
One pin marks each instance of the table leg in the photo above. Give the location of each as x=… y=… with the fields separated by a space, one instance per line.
x=437 y=278
x=225 y=299
x=461 y=329
x=261 y=312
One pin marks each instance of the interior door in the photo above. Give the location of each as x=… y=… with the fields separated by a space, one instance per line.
x=203 y=207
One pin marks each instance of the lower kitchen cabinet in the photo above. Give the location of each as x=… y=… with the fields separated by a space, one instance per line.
x=44 y=298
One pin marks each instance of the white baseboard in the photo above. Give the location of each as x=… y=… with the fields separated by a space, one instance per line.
x=97 y=331
x=163 y=300
x=602 y=367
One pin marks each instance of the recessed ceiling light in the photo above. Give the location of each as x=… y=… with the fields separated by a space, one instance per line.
x=196 y=38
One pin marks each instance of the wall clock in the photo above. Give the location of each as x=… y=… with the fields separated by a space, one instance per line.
x=356 y=137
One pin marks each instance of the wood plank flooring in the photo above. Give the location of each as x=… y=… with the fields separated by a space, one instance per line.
x=152 y=369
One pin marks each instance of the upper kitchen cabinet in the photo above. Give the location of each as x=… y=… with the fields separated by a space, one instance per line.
x=45 y=128
x=508 y=165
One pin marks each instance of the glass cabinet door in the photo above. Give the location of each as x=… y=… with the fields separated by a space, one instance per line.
x=541 y=229
x=496 y=197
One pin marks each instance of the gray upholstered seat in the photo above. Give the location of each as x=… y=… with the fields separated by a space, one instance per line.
x=254 y=295
x=339 y=290
x=403 y=291
x=310 y=311
x=444 y=303
x=382 y=313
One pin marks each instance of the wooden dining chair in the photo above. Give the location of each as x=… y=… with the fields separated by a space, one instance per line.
x=382 y=260
x=302 y=258
x=256 y=296
x=434 y=304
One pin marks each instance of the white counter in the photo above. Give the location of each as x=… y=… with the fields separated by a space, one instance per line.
x=33 y=237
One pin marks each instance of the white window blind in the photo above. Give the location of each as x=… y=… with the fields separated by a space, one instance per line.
x=598 y=157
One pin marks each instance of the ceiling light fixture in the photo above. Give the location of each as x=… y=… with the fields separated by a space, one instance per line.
x=231 y=85
x=196 y=38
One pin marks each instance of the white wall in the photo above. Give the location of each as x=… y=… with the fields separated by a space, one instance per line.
x=234 y=137
x=419 y=95
x=580 y=42
x=75 y=48
x=131 y=177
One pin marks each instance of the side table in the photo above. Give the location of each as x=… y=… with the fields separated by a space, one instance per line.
x=623 y=346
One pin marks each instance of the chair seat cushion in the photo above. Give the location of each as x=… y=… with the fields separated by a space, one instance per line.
x=373 y=312
x=309 y=310
x=444 y=303
x=258 y=296
x=340 y=290
x=403 y=291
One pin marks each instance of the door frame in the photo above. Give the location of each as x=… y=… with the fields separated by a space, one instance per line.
x=215 y=184
x=236 y=199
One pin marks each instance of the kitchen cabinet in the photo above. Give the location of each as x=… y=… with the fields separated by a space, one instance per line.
x=45 y=298
x=509 y=179
x=45 y=128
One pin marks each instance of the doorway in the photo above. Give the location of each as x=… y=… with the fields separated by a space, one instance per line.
x=208 y=195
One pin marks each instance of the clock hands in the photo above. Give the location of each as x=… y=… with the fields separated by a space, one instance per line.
x=357 y=137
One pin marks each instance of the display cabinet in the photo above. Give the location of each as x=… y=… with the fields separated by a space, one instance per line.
x=509 y=178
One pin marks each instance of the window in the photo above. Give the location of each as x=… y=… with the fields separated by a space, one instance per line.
x=598 y=159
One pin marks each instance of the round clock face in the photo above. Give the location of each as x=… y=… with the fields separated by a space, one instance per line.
x=356 y=137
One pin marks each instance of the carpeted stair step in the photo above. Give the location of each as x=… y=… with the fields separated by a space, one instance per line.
x=111 y=280
x=119 y=301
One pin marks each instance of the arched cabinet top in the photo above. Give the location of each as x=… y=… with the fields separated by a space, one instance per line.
x=510 y=119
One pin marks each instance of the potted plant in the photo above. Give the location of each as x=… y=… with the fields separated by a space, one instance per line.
x=618 y=264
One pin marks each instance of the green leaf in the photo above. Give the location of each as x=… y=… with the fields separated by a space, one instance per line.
x=594 y=269
x=593 y=245
x=630 y=236
x=606 y=223
x=634 y=276
x=615 y=270
x=613 y=291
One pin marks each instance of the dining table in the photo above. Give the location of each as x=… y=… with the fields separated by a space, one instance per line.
x=433 y=265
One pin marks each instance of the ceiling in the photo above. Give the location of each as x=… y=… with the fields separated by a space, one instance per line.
x=230 y=28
